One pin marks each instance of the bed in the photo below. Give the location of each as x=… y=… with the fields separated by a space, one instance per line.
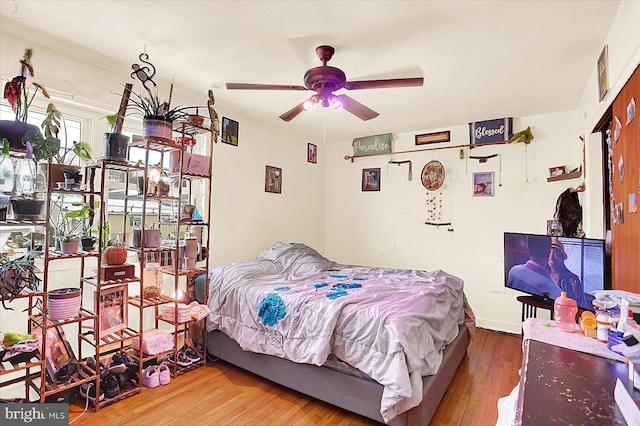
x=383 y=343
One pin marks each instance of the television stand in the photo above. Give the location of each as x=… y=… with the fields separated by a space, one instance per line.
x=530 y=305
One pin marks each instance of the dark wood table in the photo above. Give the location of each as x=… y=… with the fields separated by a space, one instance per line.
x=563 y=386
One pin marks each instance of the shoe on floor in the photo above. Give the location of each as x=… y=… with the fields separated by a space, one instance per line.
x=88 y=391
x=111 y=385
x=66 y=371
x=122 y=357
x=150 y=377
x=164 y=374
x=192 y=355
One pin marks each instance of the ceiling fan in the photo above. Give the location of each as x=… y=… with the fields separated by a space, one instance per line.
x=325 y=80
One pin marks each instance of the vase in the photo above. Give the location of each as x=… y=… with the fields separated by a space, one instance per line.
x=88 y=243
x=157 y=129
x=63 y=303
x=27 y=209
x=116 y=146
x=70 y=247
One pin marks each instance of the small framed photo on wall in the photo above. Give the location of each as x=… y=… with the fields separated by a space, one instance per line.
x=602 y=72
x=230 y=131
x=371 y=179
x=312 y=153
x=483 y=184
x=273 y=180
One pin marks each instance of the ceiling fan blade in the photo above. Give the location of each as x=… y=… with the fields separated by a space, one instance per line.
x=249 y=86
x=293 y=112
x=384 y=84
x=356 y=108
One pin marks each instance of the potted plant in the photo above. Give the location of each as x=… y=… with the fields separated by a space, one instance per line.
x=85 y=214
x=17 y=275
x=158 y=116
x=49 y=147
x=20 y=93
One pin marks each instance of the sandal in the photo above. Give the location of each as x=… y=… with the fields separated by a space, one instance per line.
x=192 y=355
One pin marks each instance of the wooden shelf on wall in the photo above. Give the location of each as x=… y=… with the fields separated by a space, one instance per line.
x=572 y=175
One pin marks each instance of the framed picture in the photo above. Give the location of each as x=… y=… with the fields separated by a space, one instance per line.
x=58 y=352
x=229 y=131
x=603 y=65
x=557 y=171
x=273 y=180
x=111 y=308
x=433 y=138
x=312 y=153
x=371 y=179
x=483 y=184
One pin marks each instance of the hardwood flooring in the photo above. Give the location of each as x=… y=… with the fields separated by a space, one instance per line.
x=220 y=394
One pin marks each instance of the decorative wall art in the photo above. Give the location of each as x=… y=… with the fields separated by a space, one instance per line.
x=483 y=184
x=491 y=131
x=371 y=179
x=229 y=131
x=312 y=153
x=112 y=309
x=58 y=351
x=434 y=207
x=603 y=65
x=557 y=171
x=372 y=145
x=436 y=137
x=273 y=180
x=432 y=175
x=631 y=110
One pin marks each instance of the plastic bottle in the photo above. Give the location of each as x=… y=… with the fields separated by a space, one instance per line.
x=564 y=313
x=6 y=169
x=26 y=173
x=603 y=321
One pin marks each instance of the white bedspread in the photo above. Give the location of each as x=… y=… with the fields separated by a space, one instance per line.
x=293 y=303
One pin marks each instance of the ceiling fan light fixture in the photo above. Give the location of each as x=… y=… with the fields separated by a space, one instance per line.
x=309 y=103
x=336 y=103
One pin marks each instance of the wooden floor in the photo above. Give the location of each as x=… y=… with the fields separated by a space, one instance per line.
x=221 y=394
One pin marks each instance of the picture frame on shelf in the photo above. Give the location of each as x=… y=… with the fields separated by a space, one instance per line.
x=371 y=179
x=58 y=352
x=603 y=65
x=312 y=153
x=273 y=180
x=230 y=131
x=483 y=184
x=111 y=307
x=557 y=171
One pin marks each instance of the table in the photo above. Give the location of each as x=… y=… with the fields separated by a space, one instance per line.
x=562 y=386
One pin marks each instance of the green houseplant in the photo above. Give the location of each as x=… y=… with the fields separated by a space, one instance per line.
x=20 y=93
x=158 y=116
x=17 y=275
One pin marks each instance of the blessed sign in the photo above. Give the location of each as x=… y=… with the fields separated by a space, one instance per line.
x=498 y=130
x=371 y=145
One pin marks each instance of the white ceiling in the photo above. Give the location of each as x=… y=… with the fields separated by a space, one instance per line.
x=480 y=59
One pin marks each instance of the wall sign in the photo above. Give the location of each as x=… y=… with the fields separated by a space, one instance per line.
x=433 y=138
x=371 y=145
x=497 y=130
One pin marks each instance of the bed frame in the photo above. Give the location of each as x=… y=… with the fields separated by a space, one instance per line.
x=351 y=393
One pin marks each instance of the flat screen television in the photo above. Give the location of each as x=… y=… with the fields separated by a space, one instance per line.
x=545 y=266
